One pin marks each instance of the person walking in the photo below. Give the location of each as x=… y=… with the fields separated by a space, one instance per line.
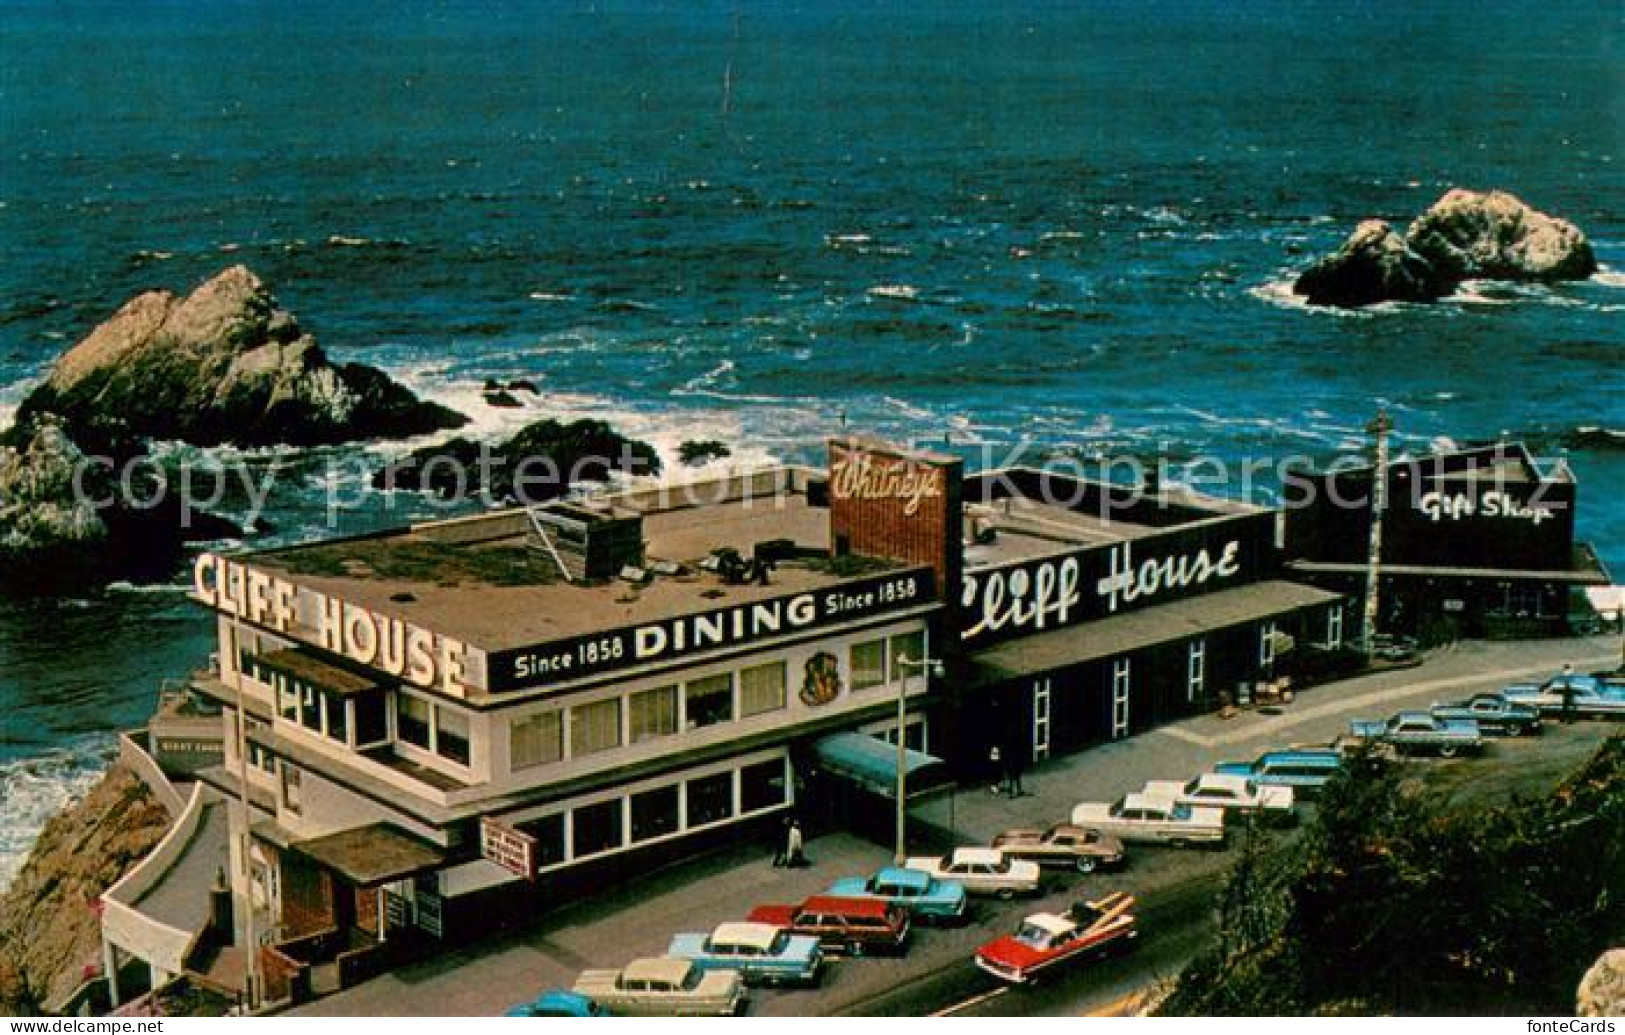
x=1568 y=693
x=996 y=764
x=794 y=857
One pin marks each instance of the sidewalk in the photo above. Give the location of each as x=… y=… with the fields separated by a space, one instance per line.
x=639 y=918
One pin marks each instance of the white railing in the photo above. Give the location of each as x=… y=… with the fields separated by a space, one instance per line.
x=140 y=762
x=124 y=925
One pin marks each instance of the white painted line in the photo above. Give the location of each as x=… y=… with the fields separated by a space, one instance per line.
x=1187 y=736
x=1376 y=697
x=949 y=1011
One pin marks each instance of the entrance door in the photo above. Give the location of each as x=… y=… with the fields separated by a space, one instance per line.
x=1120 y=689
x=1040 y=720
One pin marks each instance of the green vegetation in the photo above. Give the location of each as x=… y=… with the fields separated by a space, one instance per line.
x=1398 y=901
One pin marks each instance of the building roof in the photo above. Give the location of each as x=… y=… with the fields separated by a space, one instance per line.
x=872 y=763
x=1136 y=630
x=372 y=855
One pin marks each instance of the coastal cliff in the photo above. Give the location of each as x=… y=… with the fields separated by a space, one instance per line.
x=49 y=921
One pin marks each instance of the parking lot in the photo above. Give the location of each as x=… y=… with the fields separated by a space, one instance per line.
x=1174 y=887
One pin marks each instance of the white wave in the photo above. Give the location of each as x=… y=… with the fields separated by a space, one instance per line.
x=34 y=789
x=150 y=588
x=1609 y=278
x=897 y=292
x=1475 y=292
x=551 y=296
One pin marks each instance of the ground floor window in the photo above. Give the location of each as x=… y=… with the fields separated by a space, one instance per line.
x=1334 y=626
x=654 y=813
x=763 y=785
x=597 y=828
x=549 y=834
x=710 y=799
x=1195 y=670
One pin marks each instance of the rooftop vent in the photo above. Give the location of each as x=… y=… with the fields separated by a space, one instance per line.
x=587 y=541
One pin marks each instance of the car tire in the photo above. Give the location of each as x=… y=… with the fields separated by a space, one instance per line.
x=1085 y=864
x=1448 y=751
x=854 y=950
x=1178 y=842
x=1006 y=894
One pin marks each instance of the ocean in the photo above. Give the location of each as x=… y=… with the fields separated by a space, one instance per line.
x=1070 y=225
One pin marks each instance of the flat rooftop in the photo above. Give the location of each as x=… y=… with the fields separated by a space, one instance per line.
x=489 y=582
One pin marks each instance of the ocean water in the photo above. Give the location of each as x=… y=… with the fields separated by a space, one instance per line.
x=1070 y=224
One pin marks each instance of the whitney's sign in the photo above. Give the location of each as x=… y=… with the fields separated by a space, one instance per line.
x=860 y=475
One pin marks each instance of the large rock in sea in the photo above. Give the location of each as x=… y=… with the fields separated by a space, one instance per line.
x=1468 y=235
x=1602 y=990
x=224 y=364
x=542 y=462
x=1373 y=265
x=65 y=522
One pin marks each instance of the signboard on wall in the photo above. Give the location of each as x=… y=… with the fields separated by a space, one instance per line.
x=510 y=848
x=671 y=638
x=1098 y=582
x=891 y=503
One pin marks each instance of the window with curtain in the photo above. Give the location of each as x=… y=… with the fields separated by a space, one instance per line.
x=709 y=701
x=868 y=664
x=538 y=740
x=652 y=713
x=595 y=727
x=761 y=689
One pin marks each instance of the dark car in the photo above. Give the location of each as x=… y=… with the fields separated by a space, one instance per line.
x=855 y=926
x=1496 y=716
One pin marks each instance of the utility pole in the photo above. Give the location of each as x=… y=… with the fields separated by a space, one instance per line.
x=928 y=667
x=251 y=950
x=1379 y=502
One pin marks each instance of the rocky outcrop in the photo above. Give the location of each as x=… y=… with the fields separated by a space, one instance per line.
x=49 y=925
x=1602 y=990
x=1373 y=265
x=65 y=524
x=1465 y=235
x=540 y=463
x=223 y=364
x=1495 y=236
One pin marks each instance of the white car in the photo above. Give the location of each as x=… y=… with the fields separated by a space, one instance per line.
x=1236 y=795
x=982 y=871
x=1154 y=818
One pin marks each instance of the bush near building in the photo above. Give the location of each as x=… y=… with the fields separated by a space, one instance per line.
x=1397 y=901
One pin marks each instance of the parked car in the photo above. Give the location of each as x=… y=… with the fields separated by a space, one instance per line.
x=663 y=986
x=1496 y=716
x=1236 y=795
x=1048 y=940
x=761 y=953
x=558 y=1003
x=1154 y=819
x=927 y=899
x=1082 y=848
x=1592 y=697
x=1412 y=733
x=854 y=926
x=982 y=871
x=1306 y=770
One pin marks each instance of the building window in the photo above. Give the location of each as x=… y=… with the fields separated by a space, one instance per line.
x=910 y=646
x=654 y=813
x=287 y=697
x=1196 y=670
x=371 y=720
x=1121 y=686
x=595 y=727
x=1266 y=645
x=763 y=786
x=597 y=828
x=549 y=834
x=652 y=713
x=292 y=794
x=310 y=706
x=710 y=799
x=451 y=735
x=761 y=689
x=538 y=740
x=336 y=713
x=868 y=664
x=412 y=718
x=1334 y=626
x=709 y=701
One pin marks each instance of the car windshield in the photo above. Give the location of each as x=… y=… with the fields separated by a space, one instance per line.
x=1033 y=936
x=1180 y=812
x=692 y=979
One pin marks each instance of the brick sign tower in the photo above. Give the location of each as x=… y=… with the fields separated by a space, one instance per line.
x=899 y=505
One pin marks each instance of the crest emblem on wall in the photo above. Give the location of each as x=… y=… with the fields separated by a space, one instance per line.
x=822 y=682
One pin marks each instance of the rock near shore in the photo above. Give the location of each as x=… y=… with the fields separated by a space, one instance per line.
x=49 y=923
x=1464 y=235
x=224 y=364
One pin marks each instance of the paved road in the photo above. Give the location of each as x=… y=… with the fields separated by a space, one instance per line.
x=1175 y=888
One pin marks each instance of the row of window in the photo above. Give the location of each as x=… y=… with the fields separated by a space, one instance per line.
x=662 y=711
x=433 y=727
x=356 y=722
x=657 y=812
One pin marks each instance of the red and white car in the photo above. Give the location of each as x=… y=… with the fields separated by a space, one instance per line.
x=1048 y=940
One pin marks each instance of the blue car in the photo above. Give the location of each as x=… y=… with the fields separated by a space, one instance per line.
x=929 y=900
x=762 y=953
x=558 y=1004
x=1496 y=716
x=1306 y=771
